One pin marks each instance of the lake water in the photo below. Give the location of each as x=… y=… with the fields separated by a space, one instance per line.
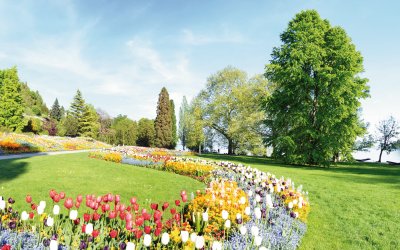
x=374 y=155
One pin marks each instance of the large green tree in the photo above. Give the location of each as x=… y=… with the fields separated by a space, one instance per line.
x=231 y=105
x=89 y=124
x=173 y=124
x=195 y=130
x=78 y=106
x=125 y=130
x=312 y=114
x=146 y=133
x=163 y=121
x=33 y=102
x=183 y=126
x=11 y=105
x=55 y=111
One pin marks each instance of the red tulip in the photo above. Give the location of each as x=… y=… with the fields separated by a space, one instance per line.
x=128 y=216
x=133 y=200
x=177 y=217
x=128 y=209
x=144 y=210
x=33 y=206
x=68 y=204
x=62 y=195
x=146 y=216
x=95 y=233
x=117 y=198
x=128 y=225
x=154 y=206
x=173 y=211
x=28 y=198
x=122 y=207
x=147 y=229
x=77 y=221
x=177 y=202
x=159 y=224
x=52 y=193
x=77 y=204
x=96 y=216
x=99 y=199
x=135 y=207
x=31 y=215
x=165 y=206
x=184 y=198
x=110 y=197
x=56 y=198
x=112 y=214
x=113 y=233
x=86 y=217
x=105 y=198
x=6 y=247
x=83 y=228
x=157 y=232
x=122 y=215
x=157 y=215
x=96 y=206
x=139 y=221
x=88 y=197
x=79 y=198
x=183 y=192
x=138 y=234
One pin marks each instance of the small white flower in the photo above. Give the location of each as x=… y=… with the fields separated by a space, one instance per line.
x=258 y=198
x=254 y=231
x=238 y=216
x=56 y=210
x=257 y=213
x=40 y=210
x=184 y=236
x=199 y=242
x=225 y=214
x=130 y=246
x=247 y=211
x=193 y=237
x=296 y=214
x=24 y=216
x=165 y=239
x=242 y=200
x=147 y=240
x=268 y=199
x=50 y=221
x=42 y=204
x=89 y=228
x=205 y=216
x=257 y=240
x=243 y=230
x=216 y=245
x=300 y=205
x=250 y=193
x=53 y=245
x=73 y=214
x=295 y=202
x=227 y=224
x=2 y=204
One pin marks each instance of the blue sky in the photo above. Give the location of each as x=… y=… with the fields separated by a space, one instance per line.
x=121 y=53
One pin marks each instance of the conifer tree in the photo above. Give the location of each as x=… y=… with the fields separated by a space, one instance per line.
x=55 y=112
x=163 y=121
x=11 y=106
x=173 y=119
x=183 y=128
x=89 y=123
x=78 y=106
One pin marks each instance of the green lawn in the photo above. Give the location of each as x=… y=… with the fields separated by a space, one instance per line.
x=353 y=206
x=78 y=174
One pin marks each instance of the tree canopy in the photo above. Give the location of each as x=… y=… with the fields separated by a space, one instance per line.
x=163 y=121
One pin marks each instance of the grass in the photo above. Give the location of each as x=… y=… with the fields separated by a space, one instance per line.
x=78 y=174
x=353 y=206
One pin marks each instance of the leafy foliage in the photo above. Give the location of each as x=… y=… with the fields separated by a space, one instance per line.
x=146 y=133
x=183 y=117
x=173 y=124
x=387 y=136
x=312 y=114
x=33 y=102
x=125 y=130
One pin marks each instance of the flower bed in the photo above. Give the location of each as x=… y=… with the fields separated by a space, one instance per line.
x=241 y=208
x=11 y=143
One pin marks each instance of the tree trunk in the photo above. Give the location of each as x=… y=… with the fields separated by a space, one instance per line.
x=199 y=149
x=230 y=147
x=380 y=155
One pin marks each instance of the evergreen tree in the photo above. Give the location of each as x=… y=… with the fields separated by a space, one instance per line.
x=163 y=122
x=11 y=106
x=55 y=112
x=173 y=119
x=183 y=128
x=68 y=126
x=78 y=106
x=312 y=115
x=89 y=124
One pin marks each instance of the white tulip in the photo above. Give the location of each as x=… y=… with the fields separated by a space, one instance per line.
x=242 y=200
x=205 y=216
x=227 y=224
x=199 y=242
x=269 y=201
x=258 y=198
x=216 y=245
x=254 y=230
x=193 y=237
x=40 y=210
x=130 y=246
x=300 y=205
x=247 y=211
x=2 y=204
x=295 y=202
x=53 y=245
x=56 y=210
x=243 y=230
x=257 y=213
x=290 y=205
x=184 y=236
x=50 y=221
x=257 y=240
x=73 y=214
x=42 y=204
x=238 y=216
x=147 y=240
x=165 y=239
x=250 y=193
x=89 y=228
x=24 y=215
x=225 y=214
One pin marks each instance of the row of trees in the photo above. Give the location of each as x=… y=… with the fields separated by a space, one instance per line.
x=306 y=106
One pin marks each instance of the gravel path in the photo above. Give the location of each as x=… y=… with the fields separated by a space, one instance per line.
x=25 y=155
